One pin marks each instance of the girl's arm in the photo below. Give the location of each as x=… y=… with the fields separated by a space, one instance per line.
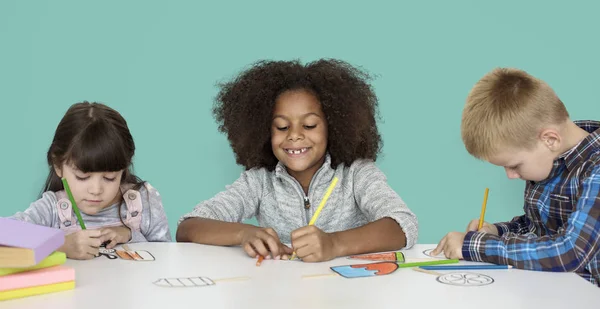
x=41 y=212
x=212 y=232
x=381 y=235
x=392 y=224
x=218 y=221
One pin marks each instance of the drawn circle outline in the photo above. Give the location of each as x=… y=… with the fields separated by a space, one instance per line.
x=465 y=279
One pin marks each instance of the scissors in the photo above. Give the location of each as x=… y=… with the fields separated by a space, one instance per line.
x=109 y=253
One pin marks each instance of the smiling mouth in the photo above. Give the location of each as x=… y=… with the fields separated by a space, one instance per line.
x=94 y=201
x=296 y=151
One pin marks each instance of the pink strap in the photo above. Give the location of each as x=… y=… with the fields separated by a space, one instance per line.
x=133 y=200
x=65 y=210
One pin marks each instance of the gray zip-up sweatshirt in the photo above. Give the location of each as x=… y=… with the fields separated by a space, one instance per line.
x=361 y=195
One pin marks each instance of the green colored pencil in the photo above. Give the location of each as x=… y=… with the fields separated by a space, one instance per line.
x=436 y=262
x=77 y=213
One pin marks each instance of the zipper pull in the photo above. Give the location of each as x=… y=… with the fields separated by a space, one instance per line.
x=306 y=203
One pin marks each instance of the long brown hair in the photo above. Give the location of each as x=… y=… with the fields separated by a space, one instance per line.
x=94 y=138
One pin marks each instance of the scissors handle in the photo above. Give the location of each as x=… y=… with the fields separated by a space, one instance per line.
x=110 y=256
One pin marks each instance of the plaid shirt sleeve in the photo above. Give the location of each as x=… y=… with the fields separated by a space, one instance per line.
x=568 y=251
x=518 y=225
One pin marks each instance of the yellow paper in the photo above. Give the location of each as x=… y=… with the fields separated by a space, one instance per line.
x=38 y=290
x=56 y=258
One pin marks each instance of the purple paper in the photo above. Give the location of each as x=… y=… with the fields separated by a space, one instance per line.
x=42 y=240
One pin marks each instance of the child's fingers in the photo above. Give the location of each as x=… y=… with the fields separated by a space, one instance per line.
x=300 y=245
x=92 y=233
x=473 y=225
x=447 y=250
x=84 y=256
x=300 y=232
x=286 y=250
x=311 y=258
x=249 y=250
x=272 y=232
x=439 y=247
x=108 y=234
x=95 y=242
x=273 y=245
x=259 y=247
x=111 y=244
x=490 y=228
x=108 y=237
x=304 y=251
x=93 y=251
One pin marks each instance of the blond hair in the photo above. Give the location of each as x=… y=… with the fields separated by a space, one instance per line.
x=508 y=108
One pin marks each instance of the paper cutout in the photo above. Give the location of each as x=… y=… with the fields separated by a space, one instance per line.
x=439 y=256
x=184 y=282
x=366 y=270
x=465 y=279
x=127 y=255
x=135 y=255
x=397 y=257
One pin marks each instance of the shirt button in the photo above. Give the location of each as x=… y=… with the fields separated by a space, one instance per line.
x=134 y=214
x=131 y=196
x=64 y=205
x=67 y=223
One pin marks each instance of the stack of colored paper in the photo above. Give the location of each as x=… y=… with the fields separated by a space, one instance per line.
x=29 y=262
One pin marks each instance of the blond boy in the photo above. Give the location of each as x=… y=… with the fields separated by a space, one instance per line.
x=514 y=120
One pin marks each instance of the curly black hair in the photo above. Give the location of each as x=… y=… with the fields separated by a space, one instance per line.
x=244 y=107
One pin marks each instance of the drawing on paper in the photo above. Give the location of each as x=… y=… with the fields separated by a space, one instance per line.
x=184 y=282
x=365 y=270
x=439 y=256
x=384 y=257
x=135 y=255
x=465 y=279
x=126 y=255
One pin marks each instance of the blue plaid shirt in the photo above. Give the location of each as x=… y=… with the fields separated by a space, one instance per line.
x=560 y=230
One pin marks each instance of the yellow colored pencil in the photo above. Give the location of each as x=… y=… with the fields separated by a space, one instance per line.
x=323 y=201
x=485 y=197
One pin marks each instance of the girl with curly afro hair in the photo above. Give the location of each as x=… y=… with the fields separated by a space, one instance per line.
x=295 y=128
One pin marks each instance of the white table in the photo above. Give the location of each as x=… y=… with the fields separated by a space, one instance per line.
x=104 y=283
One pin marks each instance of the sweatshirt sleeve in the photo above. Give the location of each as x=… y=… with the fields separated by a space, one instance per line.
x=377 y=199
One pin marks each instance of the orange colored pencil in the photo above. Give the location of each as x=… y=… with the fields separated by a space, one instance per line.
x=260 y=259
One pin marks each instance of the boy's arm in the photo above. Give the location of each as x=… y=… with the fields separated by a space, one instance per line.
x=518 y=225
x=568 y=251
x=217 y=221
x=392 y=224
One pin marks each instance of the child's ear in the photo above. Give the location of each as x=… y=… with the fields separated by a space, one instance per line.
x=58 y=170
x=551 y=138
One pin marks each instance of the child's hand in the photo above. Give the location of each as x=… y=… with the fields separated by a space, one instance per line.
x=115 y=235
x=486 y=228
x=82 y=245
x=451 y=245
x=264 y=241
x=313 y=245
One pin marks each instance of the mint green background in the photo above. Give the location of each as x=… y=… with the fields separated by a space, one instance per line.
x=158 y=62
